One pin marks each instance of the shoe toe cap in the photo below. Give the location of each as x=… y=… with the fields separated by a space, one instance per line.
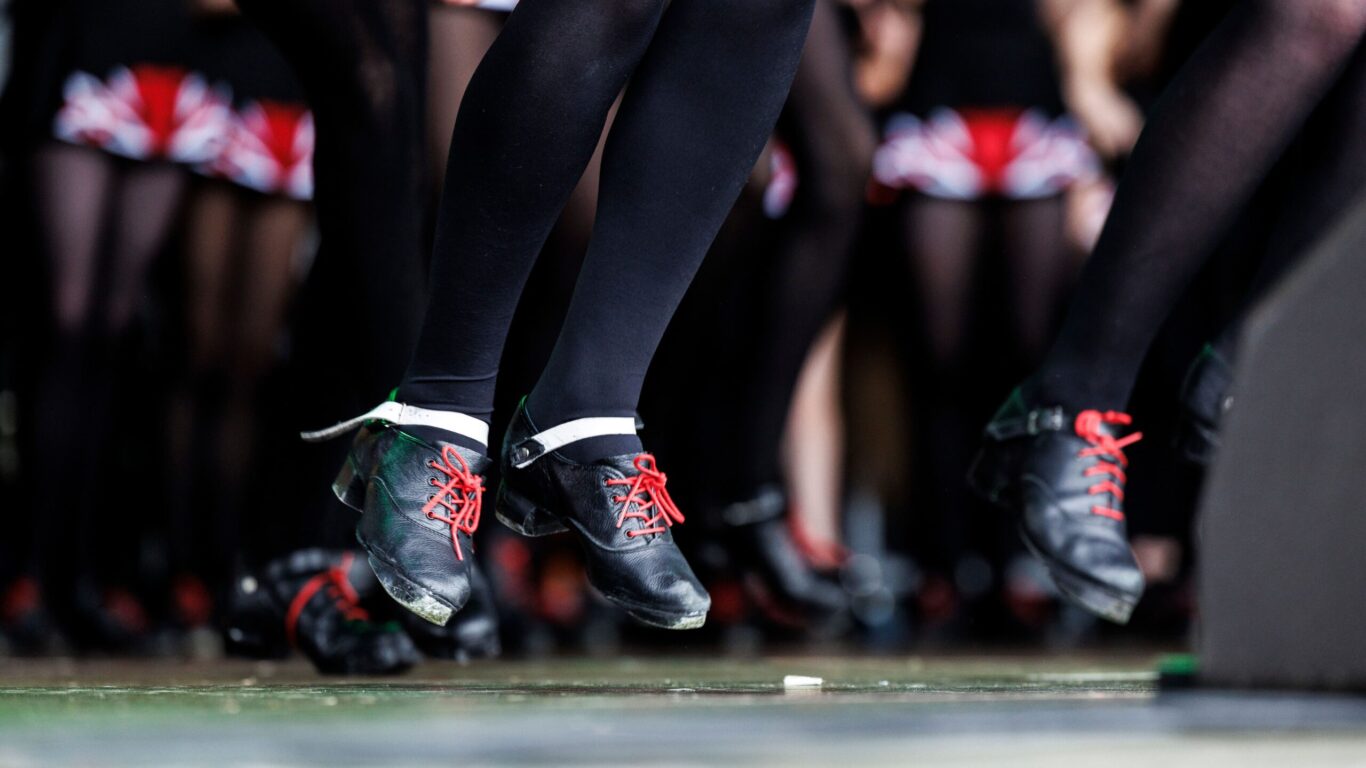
x=1108 y=560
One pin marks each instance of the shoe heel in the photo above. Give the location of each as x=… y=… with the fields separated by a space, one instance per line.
x=350 y=486
x=524 y=517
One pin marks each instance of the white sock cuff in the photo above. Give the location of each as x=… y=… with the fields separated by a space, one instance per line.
x=399 y=414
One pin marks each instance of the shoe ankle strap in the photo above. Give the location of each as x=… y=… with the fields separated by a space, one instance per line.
x=402 y=415
x=532 y=448
x=1035 y=422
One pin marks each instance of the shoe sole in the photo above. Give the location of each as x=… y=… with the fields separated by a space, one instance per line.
x=421 y=601
x=1086 y=592
x=655 y=618
x=528 y=519
x=1109 y=604
x=687 y=621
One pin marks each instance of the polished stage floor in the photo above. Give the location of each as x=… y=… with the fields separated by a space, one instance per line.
x=1017 y=710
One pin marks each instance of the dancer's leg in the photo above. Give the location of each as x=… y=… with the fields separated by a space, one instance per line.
x=362 y=64
x=149 y=199
x=1054 y=451
x=1329 y=162
x=1331 y=175
x=832 y=138
x=944 y=242
x=1224 y=122
x=531 y=117
x=692 y=124
x=459 y=38
x=71 y=188
x=1041 y=269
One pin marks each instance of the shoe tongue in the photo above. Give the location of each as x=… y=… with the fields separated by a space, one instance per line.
x=625 y=463
x=477 y=462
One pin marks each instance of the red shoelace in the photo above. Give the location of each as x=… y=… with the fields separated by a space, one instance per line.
x=1110 y=450
x=461 y=495
x=646 y=492
x=338 y=587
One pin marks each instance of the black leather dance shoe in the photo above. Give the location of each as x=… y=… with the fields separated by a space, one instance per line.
x=760 y=545
x=420 y=503
x=470 y=635
x=1204 y=400
x=27 y=625
x=618 y=509
x=1063 y=477
x=311 y=600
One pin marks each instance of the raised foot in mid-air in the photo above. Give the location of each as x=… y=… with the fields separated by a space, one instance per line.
x=618 y=509
x=420 y=495
x=1062 y=475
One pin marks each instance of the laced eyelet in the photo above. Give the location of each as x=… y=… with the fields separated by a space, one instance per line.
x=1110 y=459
x=459 y=501
x=646 y=499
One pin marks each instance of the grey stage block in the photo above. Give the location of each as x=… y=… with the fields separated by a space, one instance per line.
x=1283 y=521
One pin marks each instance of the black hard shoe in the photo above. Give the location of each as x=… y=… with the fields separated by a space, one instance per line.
x=760 y=546
x=28 y=626
x=618 y=509
x=420 y=502
x=470 y=635
x=106 y=619
x=311 y=600
x=1204 y=400
x=1063 y=477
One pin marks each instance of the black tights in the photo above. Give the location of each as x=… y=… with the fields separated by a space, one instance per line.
x=707 y=80
x=362 y=64
x=797 y=290
x=240 y=278
x=101 y=221
x=1329 y=175
x=1224 y=122
x=363 y=67
x=947 y=242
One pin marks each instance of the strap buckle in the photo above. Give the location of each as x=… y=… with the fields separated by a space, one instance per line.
x=1045 y=420
x=532 y=448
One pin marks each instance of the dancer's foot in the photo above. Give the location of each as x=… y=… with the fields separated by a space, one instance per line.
x=312 y=600
x=1063 y=477
x=26 y=622
x=618 y=509
x=760 y=545
x=420 y=490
